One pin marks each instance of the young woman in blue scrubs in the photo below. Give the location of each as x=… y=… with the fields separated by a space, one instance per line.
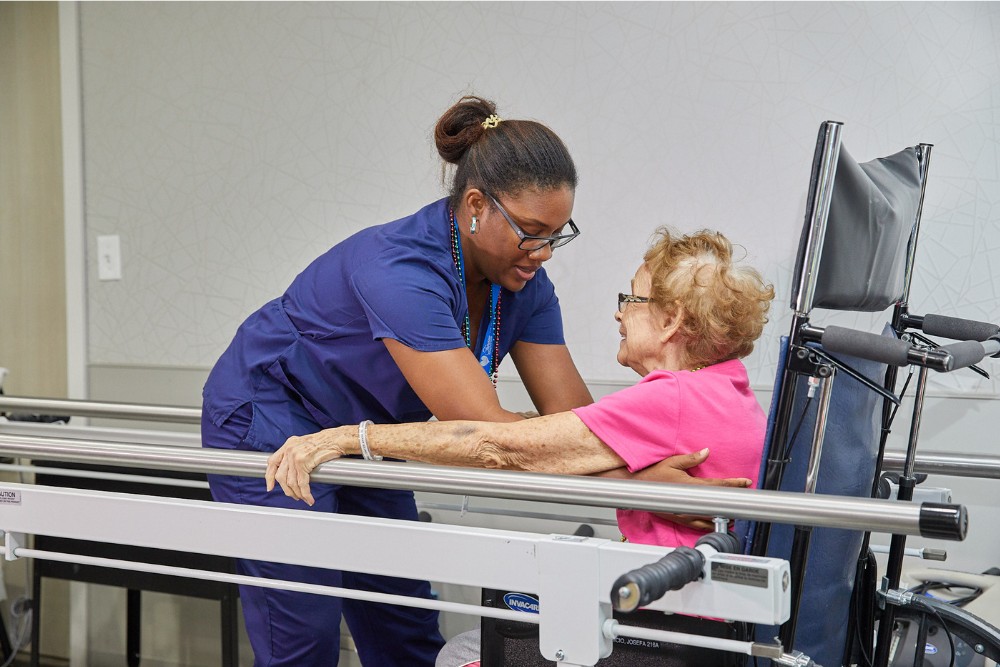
x=398 y=323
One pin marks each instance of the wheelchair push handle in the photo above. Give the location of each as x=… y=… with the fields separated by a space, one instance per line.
x=970 y=352
x=956 y=328
x=895 y=352
x=885 y=349
x=672 y=572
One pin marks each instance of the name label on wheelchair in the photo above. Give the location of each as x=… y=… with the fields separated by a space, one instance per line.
x=740 y=570
x=521 y=602
x=10 y=497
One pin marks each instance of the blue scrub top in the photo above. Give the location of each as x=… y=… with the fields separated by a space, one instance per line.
x=314 y=358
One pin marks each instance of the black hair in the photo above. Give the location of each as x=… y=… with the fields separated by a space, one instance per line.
x=502 y=159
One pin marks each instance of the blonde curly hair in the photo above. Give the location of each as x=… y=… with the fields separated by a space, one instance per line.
x=723 y=306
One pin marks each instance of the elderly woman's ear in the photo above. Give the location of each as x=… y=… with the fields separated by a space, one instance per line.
x=671 y=321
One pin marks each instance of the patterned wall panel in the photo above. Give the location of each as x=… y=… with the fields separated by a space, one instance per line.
x=228 y=144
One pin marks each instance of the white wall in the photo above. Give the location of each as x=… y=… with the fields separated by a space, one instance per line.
x=228 y=144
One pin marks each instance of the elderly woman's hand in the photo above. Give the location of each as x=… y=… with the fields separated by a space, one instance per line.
x=292 y=464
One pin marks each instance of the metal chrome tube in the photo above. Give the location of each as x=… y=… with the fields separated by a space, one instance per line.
x=53 y=406
x=897 y=544
x=923 y=152
x=819 y=431
x=918 y=411
x=518 y=514
x=104 y=434
x=945 y=463
x=821 y=193
x=195 y=484
x=316 y=589
x=775 y=506
x=925 y=553
x=803 y=535
x=107 y=476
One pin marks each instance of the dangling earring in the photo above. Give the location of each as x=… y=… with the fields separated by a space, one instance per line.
x=472 y=227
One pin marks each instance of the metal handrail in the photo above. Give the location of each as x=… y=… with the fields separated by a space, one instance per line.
x=171 y=437
x=772 y=506
x=959 y=465
x=983 y=466
x=61 y=406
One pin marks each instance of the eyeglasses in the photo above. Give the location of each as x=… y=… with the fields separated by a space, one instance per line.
x=629 y=298
x=532 y=243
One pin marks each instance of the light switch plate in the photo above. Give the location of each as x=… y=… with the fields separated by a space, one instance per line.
x=109 y=257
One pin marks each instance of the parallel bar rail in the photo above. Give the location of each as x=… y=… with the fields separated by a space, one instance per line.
x=945 y=463
x=772 y=506
x=963 y=465
x=52 y=406
x=103 y=433
x=942 y=463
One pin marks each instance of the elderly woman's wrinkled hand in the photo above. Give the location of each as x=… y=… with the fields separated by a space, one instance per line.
x=292 y=464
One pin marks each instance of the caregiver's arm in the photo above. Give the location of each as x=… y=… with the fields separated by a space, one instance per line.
x=674 y=470
x=558 y=443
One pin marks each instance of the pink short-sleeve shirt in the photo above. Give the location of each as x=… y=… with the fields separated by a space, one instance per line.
x=681 y=412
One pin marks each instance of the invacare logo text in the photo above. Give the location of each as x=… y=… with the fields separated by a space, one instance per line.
x=521 y=602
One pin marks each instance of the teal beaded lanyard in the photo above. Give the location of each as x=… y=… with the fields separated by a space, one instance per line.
x=491 y=336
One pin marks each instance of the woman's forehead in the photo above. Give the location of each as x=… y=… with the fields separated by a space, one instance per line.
x=642 y=275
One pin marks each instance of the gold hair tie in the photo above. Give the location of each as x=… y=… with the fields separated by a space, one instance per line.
x=492 y=121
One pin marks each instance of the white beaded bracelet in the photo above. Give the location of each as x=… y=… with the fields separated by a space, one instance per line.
x=363 y=439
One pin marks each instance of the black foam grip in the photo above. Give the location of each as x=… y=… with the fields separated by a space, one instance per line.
x=864 y=345
x=672 y=572
x=964 y=354
x=724 y=543
x=958 y=329
x=943 y=522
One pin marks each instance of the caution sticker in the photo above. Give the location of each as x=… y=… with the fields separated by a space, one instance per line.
x=8 y=497
x=744 y=575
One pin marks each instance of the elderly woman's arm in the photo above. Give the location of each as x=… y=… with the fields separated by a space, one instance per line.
x=558 y=443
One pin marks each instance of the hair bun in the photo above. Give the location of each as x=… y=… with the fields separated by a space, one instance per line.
x=461 y=126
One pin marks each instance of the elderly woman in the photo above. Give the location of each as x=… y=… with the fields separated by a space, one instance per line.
x=691 y=316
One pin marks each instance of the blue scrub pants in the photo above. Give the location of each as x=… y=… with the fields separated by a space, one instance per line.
x=289 y=629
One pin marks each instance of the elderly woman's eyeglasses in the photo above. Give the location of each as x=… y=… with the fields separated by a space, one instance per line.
x=532 y=243
x=629 y=298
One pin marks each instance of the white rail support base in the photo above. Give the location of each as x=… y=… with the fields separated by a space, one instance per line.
x=12 y=542
x=572 y=575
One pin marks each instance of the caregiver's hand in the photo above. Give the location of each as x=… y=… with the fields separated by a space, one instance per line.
x=674 y=470
x=292 y=464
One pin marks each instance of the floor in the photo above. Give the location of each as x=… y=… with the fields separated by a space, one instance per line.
x=23 y=659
